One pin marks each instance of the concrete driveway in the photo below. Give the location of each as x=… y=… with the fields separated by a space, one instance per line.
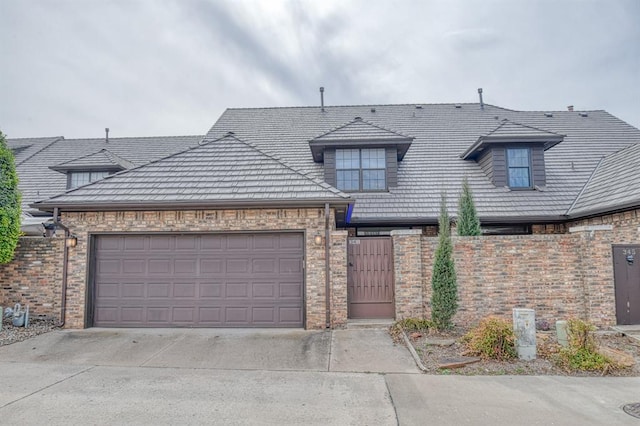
x=107 y=376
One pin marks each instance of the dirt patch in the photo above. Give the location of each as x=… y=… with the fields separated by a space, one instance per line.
x=436 y=349
x=10 y=334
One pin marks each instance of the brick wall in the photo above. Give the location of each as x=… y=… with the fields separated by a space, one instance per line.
x=498 y=273
x=338 y=274
x=310 y=220
x=408 y=275
x=557 y=274
x=34 y=276
x=597 y=235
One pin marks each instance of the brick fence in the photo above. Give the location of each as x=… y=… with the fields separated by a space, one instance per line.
x=34 y=277
x=557 y=274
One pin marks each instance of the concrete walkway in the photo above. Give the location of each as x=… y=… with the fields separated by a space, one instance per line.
x=105 y=376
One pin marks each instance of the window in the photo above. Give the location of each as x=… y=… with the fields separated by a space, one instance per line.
x=515 y=229
x=519 y=167
x=361 y=169
x=77 y=179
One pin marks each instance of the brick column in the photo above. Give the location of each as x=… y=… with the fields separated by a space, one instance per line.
x=593 y=245
x=407 y=264
x=338 y=277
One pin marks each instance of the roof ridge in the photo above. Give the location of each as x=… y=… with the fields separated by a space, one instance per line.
x=507 y=121
x=121 y=172
x=361 y=105
x=55 y=139
x=584 y=188
x=135 y=137
x=360 y=119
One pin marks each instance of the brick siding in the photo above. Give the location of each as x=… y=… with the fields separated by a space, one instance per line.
x=34 y=276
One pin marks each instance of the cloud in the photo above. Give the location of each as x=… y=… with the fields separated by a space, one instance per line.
x=146 y=67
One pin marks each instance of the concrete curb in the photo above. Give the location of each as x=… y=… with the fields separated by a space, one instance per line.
x=413 y=352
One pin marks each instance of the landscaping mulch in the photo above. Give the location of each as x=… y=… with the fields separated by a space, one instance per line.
x=10 y=334
x=438 y=349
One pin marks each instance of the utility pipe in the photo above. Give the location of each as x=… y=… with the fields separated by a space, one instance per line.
x=65 y=260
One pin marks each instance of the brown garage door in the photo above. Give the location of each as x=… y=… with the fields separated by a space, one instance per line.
x=212 y=280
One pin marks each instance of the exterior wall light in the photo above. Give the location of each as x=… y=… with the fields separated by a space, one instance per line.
x=71 y=241
x=318 y=240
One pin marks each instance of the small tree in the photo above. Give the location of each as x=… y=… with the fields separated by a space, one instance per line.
x=444 y=294
x=9 y=203
x=468 y=222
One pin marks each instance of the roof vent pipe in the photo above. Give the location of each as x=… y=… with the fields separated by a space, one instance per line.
x=480 y=94
x=106 y=132
x=322 y=99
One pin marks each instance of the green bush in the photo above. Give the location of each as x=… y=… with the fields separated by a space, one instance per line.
x=414 y=324
x=444 y=294
x=582 y=352
x=493 y=338
x=468 y=221
x=9 y=203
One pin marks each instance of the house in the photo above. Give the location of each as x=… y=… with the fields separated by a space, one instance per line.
x=310 y=216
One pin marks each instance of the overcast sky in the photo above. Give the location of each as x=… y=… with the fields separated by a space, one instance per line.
x=167 y=67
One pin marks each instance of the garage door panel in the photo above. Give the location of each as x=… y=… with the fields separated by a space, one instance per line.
x=158 y=290
x=132 y=314
x=159 y=266
x=134 y=266
x=185 y=266
x=290 y=314
x=211 y=266
x=264 y=315
x=233 y=280
x=133 y=290
x=263 y=266
x=184 y=290
x=159 y=242
x=109 y=267
x=290 y=241
x=237 y=266
x=211 y=242
x=264 y=290
x=290 y=266
x=236 y=290
x=134 y=243
x=237 y=315
x=237 y=242
x=109 y=243
x=210 y=290
x=289 y=290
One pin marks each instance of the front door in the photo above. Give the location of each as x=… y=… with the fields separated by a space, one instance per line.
x=626 y=271
x=370 y=278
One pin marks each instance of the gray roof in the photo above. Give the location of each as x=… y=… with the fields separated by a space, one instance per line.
x=24 y=148
x=103 y=159
x=433 y=164
x=615 y=184
x=37 y=181
x=358 y=129
x=226 y=172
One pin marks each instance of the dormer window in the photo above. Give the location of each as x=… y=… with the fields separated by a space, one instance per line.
x=76 y=179
x=361 y=169
x=90 y=168
x=512 y=155
x=519 y=168
x=360 y=156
